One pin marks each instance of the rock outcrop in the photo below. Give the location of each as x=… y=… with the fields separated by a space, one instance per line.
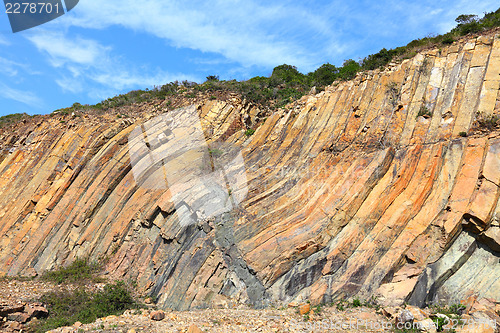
x=379 y=186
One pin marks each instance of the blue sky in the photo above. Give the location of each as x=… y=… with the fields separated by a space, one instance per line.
x=105 y=47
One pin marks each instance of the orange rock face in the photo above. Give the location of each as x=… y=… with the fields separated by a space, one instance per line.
x=346 y=193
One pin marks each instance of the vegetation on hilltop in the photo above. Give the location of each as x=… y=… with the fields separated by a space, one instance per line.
x=287 y=84
x=12 y=118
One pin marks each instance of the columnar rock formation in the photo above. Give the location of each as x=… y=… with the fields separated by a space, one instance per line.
x=369 y=188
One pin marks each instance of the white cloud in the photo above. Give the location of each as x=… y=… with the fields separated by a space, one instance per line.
x=266 y=34
x=237 y=34
x=70 y=84
x=465 y=7
x=122 y=80
x=9 y=67
x=13 y=68
x=246 y=32
x=85 y=65
x=4 y=41
x=63 y=50
x=25 y=97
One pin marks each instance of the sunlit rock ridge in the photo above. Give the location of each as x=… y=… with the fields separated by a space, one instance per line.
x=350 y=192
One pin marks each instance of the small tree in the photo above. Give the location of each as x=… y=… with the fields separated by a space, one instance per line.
x=466 y=19
x=213 y=78
x=349 y=69
x=324 y=75
x=287 y=74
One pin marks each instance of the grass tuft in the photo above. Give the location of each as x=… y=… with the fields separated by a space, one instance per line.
x=80 y=270
x=249 y=132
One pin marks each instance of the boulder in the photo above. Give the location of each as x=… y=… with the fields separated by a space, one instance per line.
x=404 y=316
x=304 y=308
x=157 y=315
x=426 y=325
x=20 y=317
x=37 y=311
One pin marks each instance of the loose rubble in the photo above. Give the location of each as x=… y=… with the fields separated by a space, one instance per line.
x=18 y=307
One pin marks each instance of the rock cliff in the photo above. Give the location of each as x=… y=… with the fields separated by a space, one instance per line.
x=383 y=186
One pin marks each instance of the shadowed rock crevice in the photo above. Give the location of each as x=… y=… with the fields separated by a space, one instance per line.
x=458 y=274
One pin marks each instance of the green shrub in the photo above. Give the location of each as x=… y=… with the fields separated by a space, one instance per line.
x=393 y=92
x=372 y=303
x=452 y=309
x=80 y=270
x=249 y=132
x=356 y=303
x=215 y=152
x=349 y=69
x=287 y=74
x=489 y=122
x=325 y=75
x=377 y=60
x=457 y=309
x=213 y=78
x=13 y=118
x=287 y=84
x=340 y=305
x=462 y=134
x=448 y=40
x=440 y=322
x=67 y=307
x=424 y=112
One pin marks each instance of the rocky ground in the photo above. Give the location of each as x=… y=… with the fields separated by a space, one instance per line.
x=19 y=307
x=328 y=319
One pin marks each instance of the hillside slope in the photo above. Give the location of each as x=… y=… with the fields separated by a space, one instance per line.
x=369 y=188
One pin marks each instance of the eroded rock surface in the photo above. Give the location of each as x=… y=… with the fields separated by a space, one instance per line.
x=348 y=193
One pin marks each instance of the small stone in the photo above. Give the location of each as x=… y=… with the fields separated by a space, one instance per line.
x=194 y=329
x=304 y=308
x=6 y=309
x=148 y=300
x=20 y=317
x=15 y=326
x=37 y=311
x=442 y=316
x=293 y=304
x=131 y=331
x=77 y=324
x=418 y=314
x=469 y=303
x=426 y=325
x=405 y=316
x=30 y=273
x=157 y=315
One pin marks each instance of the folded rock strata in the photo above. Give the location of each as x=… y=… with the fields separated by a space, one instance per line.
x=349 y=193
